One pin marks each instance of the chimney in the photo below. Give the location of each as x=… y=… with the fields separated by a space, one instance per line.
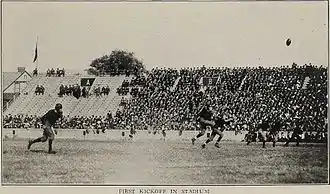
x=21 y=69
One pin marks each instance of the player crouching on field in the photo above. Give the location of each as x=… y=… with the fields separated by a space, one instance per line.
x=48 y=121
x=217 y=129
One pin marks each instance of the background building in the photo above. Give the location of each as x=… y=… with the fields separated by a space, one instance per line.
x=12 y=84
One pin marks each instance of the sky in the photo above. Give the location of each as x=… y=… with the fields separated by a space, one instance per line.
x=173 y=35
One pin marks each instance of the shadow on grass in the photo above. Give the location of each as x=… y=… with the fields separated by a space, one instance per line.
x=38 y=151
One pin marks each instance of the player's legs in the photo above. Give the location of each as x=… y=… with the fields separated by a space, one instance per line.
x=50 y=134
x=39 y=139
x=180 y=132
x=262 y=137
x=155 y=130
x=291 y=139
x=274 y=138
x=200 y=134
x=182 y=127
x=213 y=134
x=221 y=134
x=298 y=139
x=248 y=138
x=131 y=132
x=164 y=134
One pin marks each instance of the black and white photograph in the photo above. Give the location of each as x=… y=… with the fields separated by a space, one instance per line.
x=164 y=94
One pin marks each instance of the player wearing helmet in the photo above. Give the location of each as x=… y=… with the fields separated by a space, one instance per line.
x=48 y=121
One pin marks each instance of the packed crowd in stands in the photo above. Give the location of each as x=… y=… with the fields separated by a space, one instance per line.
x=132 y=87
x=58 y=73
x=291 y=95
x=122 y=91
x=40 y=90
x=78 y=91
x=294 y=96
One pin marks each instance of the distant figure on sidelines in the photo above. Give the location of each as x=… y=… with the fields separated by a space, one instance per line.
x=48 y=121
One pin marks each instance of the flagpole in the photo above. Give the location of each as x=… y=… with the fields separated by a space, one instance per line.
x=37 y=64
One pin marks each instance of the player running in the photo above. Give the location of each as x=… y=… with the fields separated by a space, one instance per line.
x=217 y=129
x=297 y=132
x=48 y=121
x=262 y=132
x=204 y=118
x=273 y=133
x=267 y=132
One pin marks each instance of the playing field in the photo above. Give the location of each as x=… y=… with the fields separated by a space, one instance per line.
x=154 y=161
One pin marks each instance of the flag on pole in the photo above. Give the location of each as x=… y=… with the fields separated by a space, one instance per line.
x=36 y=52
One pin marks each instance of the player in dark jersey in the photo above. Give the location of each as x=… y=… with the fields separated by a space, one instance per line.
x=251 y=136
x=297 y=132
x=204 y=119
x=217 y=129
x=262 y=132
x=48 y=121
x=273 y=133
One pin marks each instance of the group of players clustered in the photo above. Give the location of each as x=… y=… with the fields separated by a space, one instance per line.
x=206 y=117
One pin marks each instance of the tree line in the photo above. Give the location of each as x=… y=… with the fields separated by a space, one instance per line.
x=119 y=62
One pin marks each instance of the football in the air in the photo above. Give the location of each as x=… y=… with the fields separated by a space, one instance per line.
x=288 y=42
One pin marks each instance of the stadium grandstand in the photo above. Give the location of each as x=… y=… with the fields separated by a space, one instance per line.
x=292 y=95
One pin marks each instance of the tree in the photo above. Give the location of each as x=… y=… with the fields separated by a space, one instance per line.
x=118 y=62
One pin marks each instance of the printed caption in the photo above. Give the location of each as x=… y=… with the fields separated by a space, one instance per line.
x=163 y=191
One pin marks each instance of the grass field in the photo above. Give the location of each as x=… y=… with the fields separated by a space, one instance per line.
x=174 y=162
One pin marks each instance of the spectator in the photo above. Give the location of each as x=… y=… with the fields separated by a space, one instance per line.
x=39 y=90
x=35 y=72
x=62 y=91
x=48 y=73
x=58 y=72
x=63 y=72
x=52 y=72
x=84 y=92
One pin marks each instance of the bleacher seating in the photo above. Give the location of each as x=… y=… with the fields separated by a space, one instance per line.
x=30 y=104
